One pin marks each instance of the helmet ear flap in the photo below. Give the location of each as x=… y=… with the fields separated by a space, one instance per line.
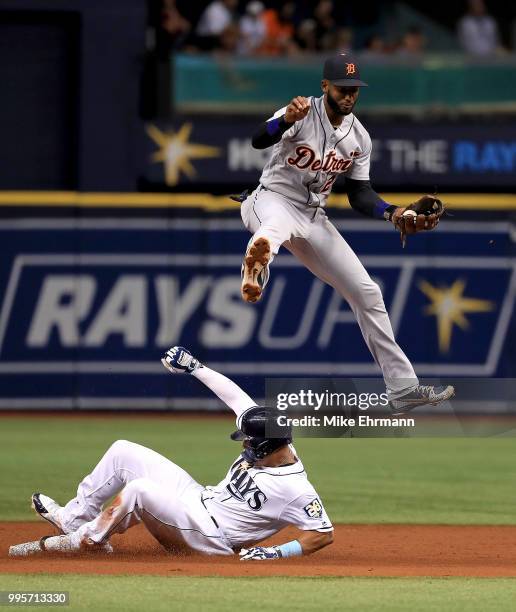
x=254 y=426
x=250 y=456
x=258 y=448
x=237 y=436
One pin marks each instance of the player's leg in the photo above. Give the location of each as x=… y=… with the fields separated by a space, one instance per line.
x=171 y=511
x=272 y=220
x=329 y=257
x=122 y=463
x=141 y=495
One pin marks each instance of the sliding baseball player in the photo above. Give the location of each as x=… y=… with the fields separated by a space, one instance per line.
x=265 y=489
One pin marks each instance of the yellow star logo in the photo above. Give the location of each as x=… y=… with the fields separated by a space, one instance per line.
x=175 y=152
x=449 y=305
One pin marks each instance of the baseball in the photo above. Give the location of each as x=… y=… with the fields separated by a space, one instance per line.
x=410 y=213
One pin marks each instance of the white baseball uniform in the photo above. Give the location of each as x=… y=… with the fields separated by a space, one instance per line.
x=287 y=208
x=248 y=505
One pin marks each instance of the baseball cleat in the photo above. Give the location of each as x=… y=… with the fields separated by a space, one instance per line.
x=255 y=269
x=179 y=360
x=48 y=509
x=422 y=395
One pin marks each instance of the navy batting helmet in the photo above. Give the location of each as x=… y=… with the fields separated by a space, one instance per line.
x=259 y=428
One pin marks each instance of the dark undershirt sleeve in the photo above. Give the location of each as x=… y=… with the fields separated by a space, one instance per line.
x=364 y=199
x=270 y=132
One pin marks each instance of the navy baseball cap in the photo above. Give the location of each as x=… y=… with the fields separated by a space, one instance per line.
x=342 y=70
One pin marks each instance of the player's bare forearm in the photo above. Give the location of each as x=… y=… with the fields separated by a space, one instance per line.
x=307 y=543
x=311 y=541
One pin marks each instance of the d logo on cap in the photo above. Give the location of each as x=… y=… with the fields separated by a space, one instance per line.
x=343 y=71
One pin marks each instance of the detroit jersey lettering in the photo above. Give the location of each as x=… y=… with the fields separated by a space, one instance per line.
x=312 y=154
x=253 y=503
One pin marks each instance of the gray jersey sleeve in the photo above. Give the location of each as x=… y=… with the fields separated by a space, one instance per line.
x=359 y=171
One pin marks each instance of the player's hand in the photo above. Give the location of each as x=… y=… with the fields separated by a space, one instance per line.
x=179 y=360
x=297 y=109
x=422 y=215
x=259 y=553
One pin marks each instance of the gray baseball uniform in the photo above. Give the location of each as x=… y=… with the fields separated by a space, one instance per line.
x=287 y=208
x=312 y=153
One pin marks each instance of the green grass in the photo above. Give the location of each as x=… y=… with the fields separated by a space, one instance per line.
x=417 y=480
x=220 y=594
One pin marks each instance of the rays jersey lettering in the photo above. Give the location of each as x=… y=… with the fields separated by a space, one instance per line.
x=251 y=504
x=312 y=154
x=242 y=487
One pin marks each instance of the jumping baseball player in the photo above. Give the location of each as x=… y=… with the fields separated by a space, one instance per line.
x=265 y=489
x=315 y=140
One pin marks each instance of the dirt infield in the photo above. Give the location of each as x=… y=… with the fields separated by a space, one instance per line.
x=358 y=550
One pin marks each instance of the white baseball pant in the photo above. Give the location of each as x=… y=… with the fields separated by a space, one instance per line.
x=148 y=488
x=309 y=235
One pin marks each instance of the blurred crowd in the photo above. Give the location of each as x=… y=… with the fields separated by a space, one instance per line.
x=271 y=28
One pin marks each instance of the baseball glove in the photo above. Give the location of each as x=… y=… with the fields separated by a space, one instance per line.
x=423 y=214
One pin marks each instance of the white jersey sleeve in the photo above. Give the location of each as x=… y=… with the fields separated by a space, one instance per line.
x=307 y=512
x=359 y=171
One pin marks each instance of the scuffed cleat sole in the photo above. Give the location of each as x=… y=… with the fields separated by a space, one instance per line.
x=256 y=259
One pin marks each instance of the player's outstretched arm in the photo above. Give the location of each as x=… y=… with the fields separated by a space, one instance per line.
x=179 y=360
x=270 y=132
x=307 y=543
x=311 y=541
x=227 y=390
x=422 y=215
